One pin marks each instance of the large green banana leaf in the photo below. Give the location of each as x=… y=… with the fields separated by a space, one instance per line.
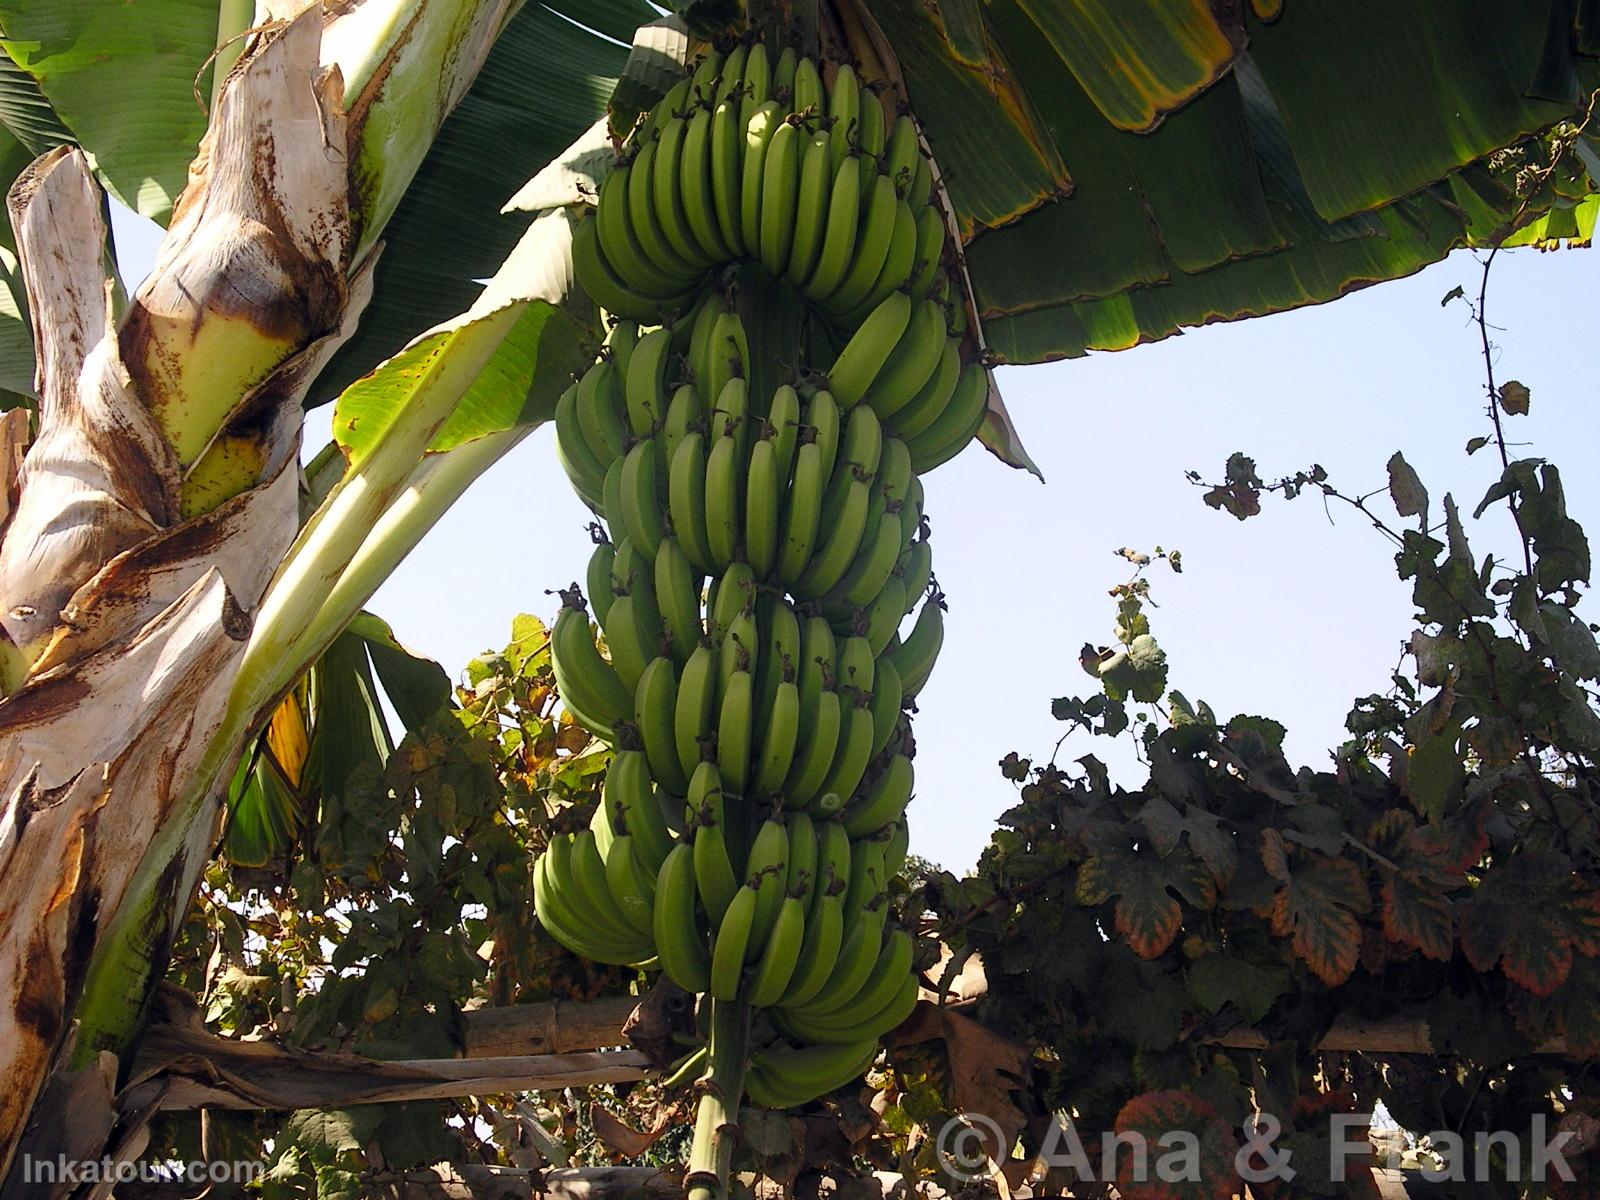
x=1119 y=169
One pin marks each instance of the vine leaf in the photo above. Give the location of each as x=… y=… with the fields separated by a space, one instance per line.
x=1217 y=980
x=1406 y=490
x=1206 y=1175
x=1316 y=906
x=1529 y=916
x=1413 y=898
x=1147 y=889
x=1514 y=397
x=1209 y=841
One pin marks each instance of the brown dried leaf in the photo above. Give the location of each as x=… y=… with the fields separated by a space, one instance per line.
x=622 y=1139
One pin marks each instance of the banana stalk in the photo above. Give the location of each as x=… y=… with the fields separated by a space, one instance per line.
x=722 y=1092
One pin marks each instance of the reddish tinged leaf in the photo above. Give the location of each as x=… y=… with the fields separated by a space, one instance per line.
x=1416 y=913
x=1316 y=908
x=1528 y=916
x=1157 y=1113
x=1148 y=888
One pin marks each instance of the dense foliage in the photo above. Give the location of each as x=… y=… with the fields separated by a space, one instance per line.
x=1441 y=875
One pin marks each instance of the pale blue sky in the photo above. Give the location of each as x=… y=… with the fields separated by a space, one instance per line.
x=1286 y=615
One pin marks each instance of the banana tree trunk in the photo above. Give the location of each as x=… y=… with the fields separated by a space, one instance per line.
x=157 y=499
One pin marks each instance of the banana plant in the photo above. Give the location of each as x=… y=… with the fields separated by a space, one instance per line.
x=160 y=589
x=162 y=593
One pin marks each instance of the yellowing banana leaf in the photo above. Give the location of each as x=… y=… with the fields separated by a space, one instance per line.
x=1137 y=64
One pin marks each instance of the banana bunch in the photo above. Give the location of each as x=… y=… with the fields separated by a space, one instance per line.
x=753 y=654
x=751 y=157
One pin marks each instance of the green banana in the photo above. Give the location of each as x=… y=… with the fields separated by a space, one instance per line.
x=600 y=413
x=698 y=190
x=839 y=232
x=686 y=501
x=830 y=563
x=912 y=363
x=917 y=572
x=780 y=188
x=589 y=687
x=884 y=801
x=871 y=251
x=819 y=951
x=816 y=754
x=554 y=911
x=727 y=167
x=896 y=848
x=655 y=710
x=600 y=280
x=694 y=715
x=867 y=878
x=897 y=266
x=803 y=520
x=783 y=72
x=953 y=428
x=763 y=508
x=778 y=953
x=757 y=83
x=645 y=381
x=630 y=653
x=816 y=671
x=597 y=579
x=631 y=889
x=802 y=857
x=855 y=750
x=887 y=697
x=783 y=415
x=713 y=868
x=584 y=467
x=901 y=154
x=825 y=420
x=914 y=657
x=730 y=946
x=724 y=485
x=873 y=128
x=683 y=415
x=767 y=870
x=883 y=615
x=620 y=245
x=643 y=219
x=667 y=194
x=779 y=741
x=869 y=349
x=678 y=940
x=631 y=796
x=880 y=550
x=677 y=590
x=811 y=209
x=759 y=132
x=808 y=93
x=928 y=265
x=893 y=965
x=784 y=1077
x=734 y=724
x=642 y=492
x=730 y=417
x=844 y=110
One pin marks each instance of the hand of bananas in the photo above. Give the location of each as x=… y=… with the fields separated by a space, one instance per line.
x=760 y=555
